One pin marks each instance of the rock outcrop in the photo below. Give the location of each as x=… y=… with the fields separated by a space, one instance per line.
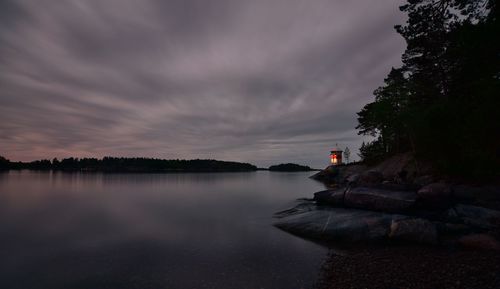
x=479 y=217
x=435 y=195
x=414 y=229
x=368 y=198
x=334 y=175
x=329 y=218
x=389 y=203
x=379 y=200
x=330 y=223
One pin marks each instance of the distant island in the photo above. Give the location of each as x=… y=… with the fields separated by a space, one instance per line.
x=289 y=167
x=140 y=165
x=120 y=164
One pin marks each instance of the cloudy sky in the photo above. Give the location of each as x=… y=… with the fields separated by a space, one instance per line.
x=262 y=81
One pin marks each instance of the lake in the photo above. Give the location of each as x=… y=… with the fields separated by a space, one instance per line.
x=202 y=230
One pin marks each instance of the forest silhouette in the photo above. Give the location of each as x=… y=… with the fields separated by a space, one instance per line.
x=442 y=104
x=115 y=164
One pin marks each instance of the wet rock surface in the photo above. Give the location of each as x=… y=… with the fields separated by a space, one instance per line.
x=415 y=230
x=368 y=198
x=343 y=224
x=333 y=215
x=434 y=233
x=370 y=178
x=370 y=205
x=475 y=216
x=379 y=200
x=435 y=195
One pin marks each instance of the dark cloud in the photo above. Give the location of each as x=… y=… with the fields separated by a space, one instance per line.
x=259 y=81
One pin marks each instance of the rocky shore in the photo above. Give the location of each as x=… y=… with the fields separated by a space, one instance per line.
x=392 y=203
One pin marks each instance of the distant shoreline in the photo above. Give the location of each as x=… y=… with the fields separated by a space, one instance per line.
x=129 y=165
x=141 y=165
x=126 y=171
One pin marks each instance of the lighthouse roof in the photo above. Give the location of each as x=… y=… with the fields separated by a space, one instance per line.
x=336 y=148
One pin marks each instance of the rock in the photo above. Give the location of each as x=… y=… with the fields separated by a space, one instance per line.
x=423 y=180
x=349 y=174
x=330 y=197
x=338 y=174
x=390 y=186
x=370 y=178
x=301 y=207
x=415 y=230
x=472 y=192
x=339 y=224
x=435 y=195
x=483 y=196
x=352 y=179
x=379 y=200
x=474 y=216
x=400 y=167
x=465 y=193
x=329 y=174
x=368 y=199
x=479 y=241
x=450 y=229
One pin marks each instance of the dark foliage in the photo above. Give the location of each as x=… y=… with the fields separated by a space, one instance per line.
x=4 y=163
x=289 y=167
x=372 y=152
x=442 y=103
x=113 y=164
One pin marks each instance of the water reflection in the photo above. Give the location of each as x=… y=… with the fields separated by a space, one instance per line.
x=93 y=230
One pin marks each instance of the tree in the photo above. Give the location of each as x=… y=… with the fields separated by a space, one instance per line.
x=347 y=154
x=442 y=102
x=387 y=116
x=4 y=163
x=372 y=152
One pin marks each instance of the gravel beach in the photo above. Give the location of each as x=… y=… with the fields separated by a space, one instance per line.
x=410 y=267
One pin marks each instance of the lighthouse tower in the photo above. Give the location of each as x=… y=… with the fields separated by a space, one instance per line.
x=336 y=156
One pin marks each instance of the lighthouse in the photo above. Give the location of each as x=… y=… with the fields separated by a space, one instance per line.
x=336 y=156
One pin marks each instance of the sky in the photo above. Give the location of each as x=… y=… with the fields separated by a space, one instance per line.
x=261 y=81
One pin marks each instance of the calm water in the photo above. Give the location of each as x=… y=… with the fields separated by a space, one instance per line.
x=64 y=230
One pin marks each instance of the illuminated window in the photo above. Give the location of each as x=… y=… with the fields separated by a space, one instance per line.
x=334 y=159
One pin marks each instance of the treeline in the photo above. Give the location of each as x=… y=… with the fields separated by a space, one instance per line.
x=114 y=164
x=443 y=103
x=289 y=167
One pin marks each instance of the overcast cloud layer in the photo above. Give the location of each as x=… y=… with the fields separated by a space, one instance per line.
x=261 y=81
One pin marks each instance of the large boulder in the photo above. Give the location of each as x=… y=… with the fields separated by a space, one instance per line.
x=352 y=179
x=399 y=167
x=370 y=178
x=379 y=200
x=469 y=192
x=435 y=195
x=329 y=175
x=483 y=196
x=415 y=230
x=423 y=180
x=452 y=229
x=338 y=175
x=367 y=199
x=329 y=223
x=330 y=197
x=301 y=207
x=474 y=216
